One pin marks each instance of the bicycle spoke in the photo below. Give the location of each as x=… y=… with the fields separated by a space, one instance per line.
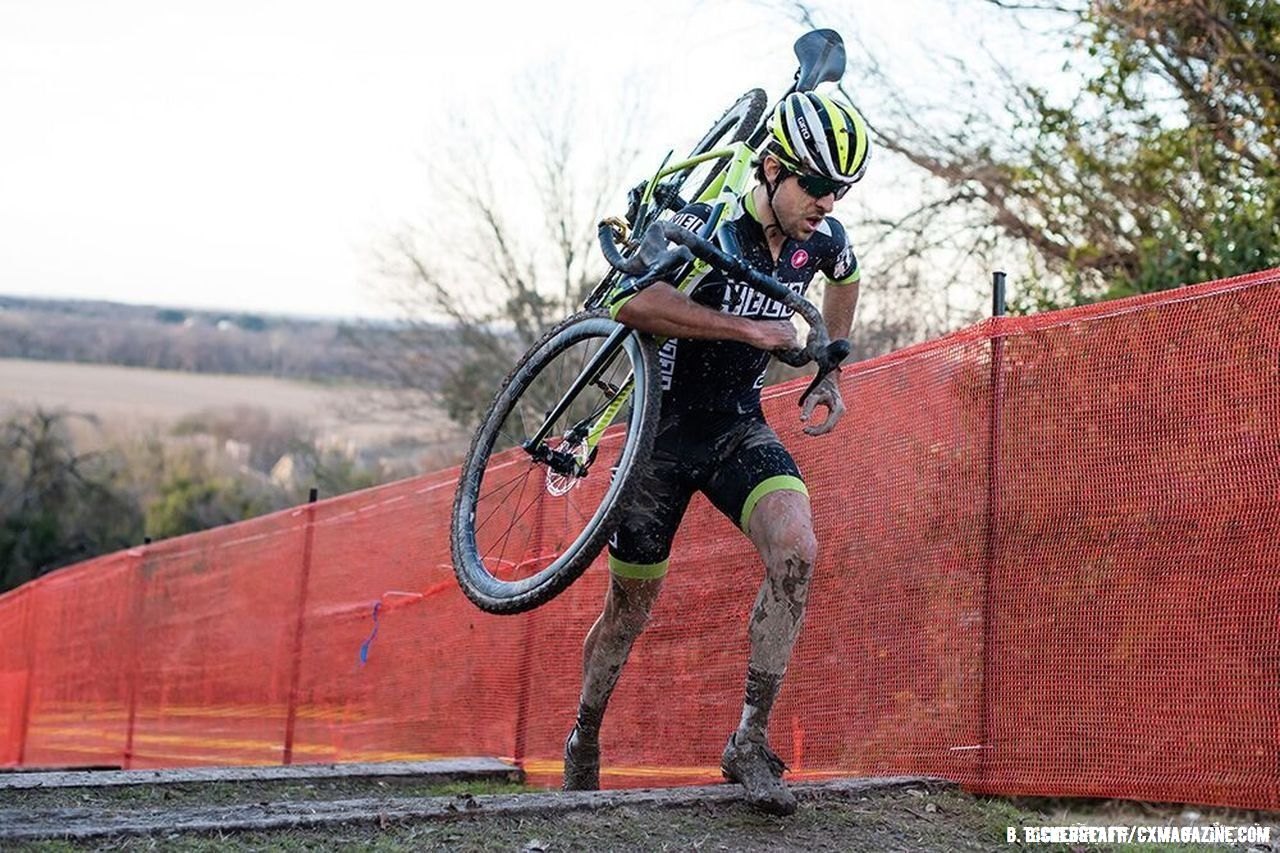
x=510 y=526
x=520 y=473
x=583 y=366
x=515 y=442
x=499 y=504
x=515 y=521
x=524 y=424
x=571 y=503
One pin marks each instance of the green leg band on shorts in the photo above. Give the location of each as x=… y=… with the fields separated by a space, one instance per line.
x=764 y=487
x=638 y=571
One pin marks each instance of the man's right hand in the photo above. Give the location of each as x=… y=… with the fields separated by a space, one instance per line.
x=770 y=335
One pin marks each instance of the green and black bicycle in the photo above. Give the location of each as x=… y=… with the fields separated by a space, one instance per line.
x=557 y=452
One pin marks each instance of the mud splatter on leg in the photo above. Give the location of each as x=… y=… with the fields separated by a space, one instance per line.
x=782 y=530
x=626 y=612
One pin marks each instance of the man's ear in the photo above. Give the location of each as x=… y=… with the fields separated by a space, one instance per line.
x=771 y=168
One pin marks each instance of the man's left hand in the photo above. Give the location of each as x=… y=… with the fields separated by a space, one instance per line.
x=827 y=394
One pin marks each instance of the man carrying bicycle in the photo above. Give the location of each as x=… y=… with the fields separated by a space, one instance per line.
x=713 y=438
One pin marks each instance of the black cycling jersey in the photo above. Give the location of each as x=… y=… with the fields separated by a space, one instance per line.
x=726 y=376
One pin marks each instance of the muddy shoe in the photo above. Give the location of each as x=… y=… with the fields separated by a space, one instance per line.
x=755 y=767
x=581 y=763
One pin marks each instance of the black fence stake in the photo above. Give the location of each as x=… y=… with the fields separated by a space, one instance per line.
x=991 y=552
x=295 y=674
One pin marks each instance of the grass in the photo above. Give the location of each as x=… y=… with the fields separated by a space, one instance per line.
x=1049 y=811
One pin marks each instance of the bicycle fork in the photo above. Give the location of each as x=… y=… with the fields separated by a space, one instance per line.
x=591 y=428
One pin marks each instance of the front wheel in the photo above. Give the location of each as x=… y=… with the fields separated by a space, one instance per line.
x=530 y=515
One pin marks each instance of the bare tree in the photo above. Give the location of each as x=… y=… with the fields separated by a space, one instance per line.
x=511 y=249
x=1147 y=163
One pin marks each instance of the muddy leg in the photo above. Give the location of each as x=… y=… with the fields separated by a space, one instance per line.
x=782 y=529
x=627 y=606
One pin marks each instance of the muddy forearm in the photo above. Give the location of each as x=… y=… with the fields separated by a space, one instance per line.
x=838 y=305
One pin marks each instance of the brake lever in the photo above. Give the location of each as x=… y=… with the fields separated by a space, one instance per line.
x=667 y=263
x=654 y=254
x=651 y=256
x=829 y=361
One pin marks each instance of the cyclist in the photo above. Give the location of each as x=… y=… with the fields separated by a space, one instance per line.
x=713 y=438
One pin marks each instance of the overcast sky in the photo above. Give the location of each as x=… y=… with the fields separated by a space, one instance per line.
x=250 y=154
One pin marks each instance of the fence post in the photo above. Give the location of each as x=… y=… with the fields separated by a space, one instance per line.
x=295 y=674
x=990 y=551
x=29 y=606
x=135 y=619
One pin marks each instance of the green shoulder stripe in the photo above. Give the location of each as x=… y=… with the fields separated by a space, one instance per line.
x=852 y=278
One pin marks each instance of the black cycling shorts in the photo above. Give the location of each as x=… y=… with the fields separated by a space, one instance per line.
x=733 y=459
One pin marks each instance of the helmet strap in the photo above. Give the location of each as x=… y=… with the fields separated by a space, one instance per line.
x=771 y=189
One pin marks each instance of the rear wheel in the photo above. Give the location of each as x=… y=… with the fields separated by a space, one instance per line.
x=680 y=188
x=736 y=125
x=528 y=518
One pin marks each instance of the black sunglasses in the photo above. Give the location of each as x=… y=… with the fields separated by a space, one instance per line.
x=820 y=187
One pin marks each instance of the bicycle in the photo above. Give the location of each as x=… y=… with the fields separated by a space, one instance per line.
x=586 y=396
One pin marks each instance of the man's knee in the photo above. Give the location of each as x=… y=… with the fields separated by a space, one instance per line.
x=800 y=549
x=782 y=530
x=788 y=560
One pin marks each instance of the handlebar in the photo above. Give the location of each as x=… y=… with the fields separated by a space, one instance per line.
x=655 y=260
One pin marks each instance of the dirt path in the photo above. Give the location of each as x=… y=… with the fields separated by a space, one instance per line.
x=850 y=814
x=846 y=815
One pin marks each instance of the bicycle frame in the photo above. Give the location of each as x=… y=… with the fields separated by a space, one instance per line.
x=721 y=194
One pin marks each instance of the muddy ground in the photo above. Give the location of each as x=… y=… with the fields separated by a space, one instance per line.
x=400 y=815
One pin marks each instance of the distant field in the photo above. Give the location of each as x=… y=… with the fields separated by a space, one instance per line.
x=132 y=397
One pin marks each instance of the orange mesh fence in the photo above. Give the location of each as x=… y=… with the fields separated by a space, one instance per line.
x=1048 y=565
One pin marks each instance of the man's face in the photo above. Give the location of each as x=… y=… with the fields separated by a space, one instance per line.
x=799 y=213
